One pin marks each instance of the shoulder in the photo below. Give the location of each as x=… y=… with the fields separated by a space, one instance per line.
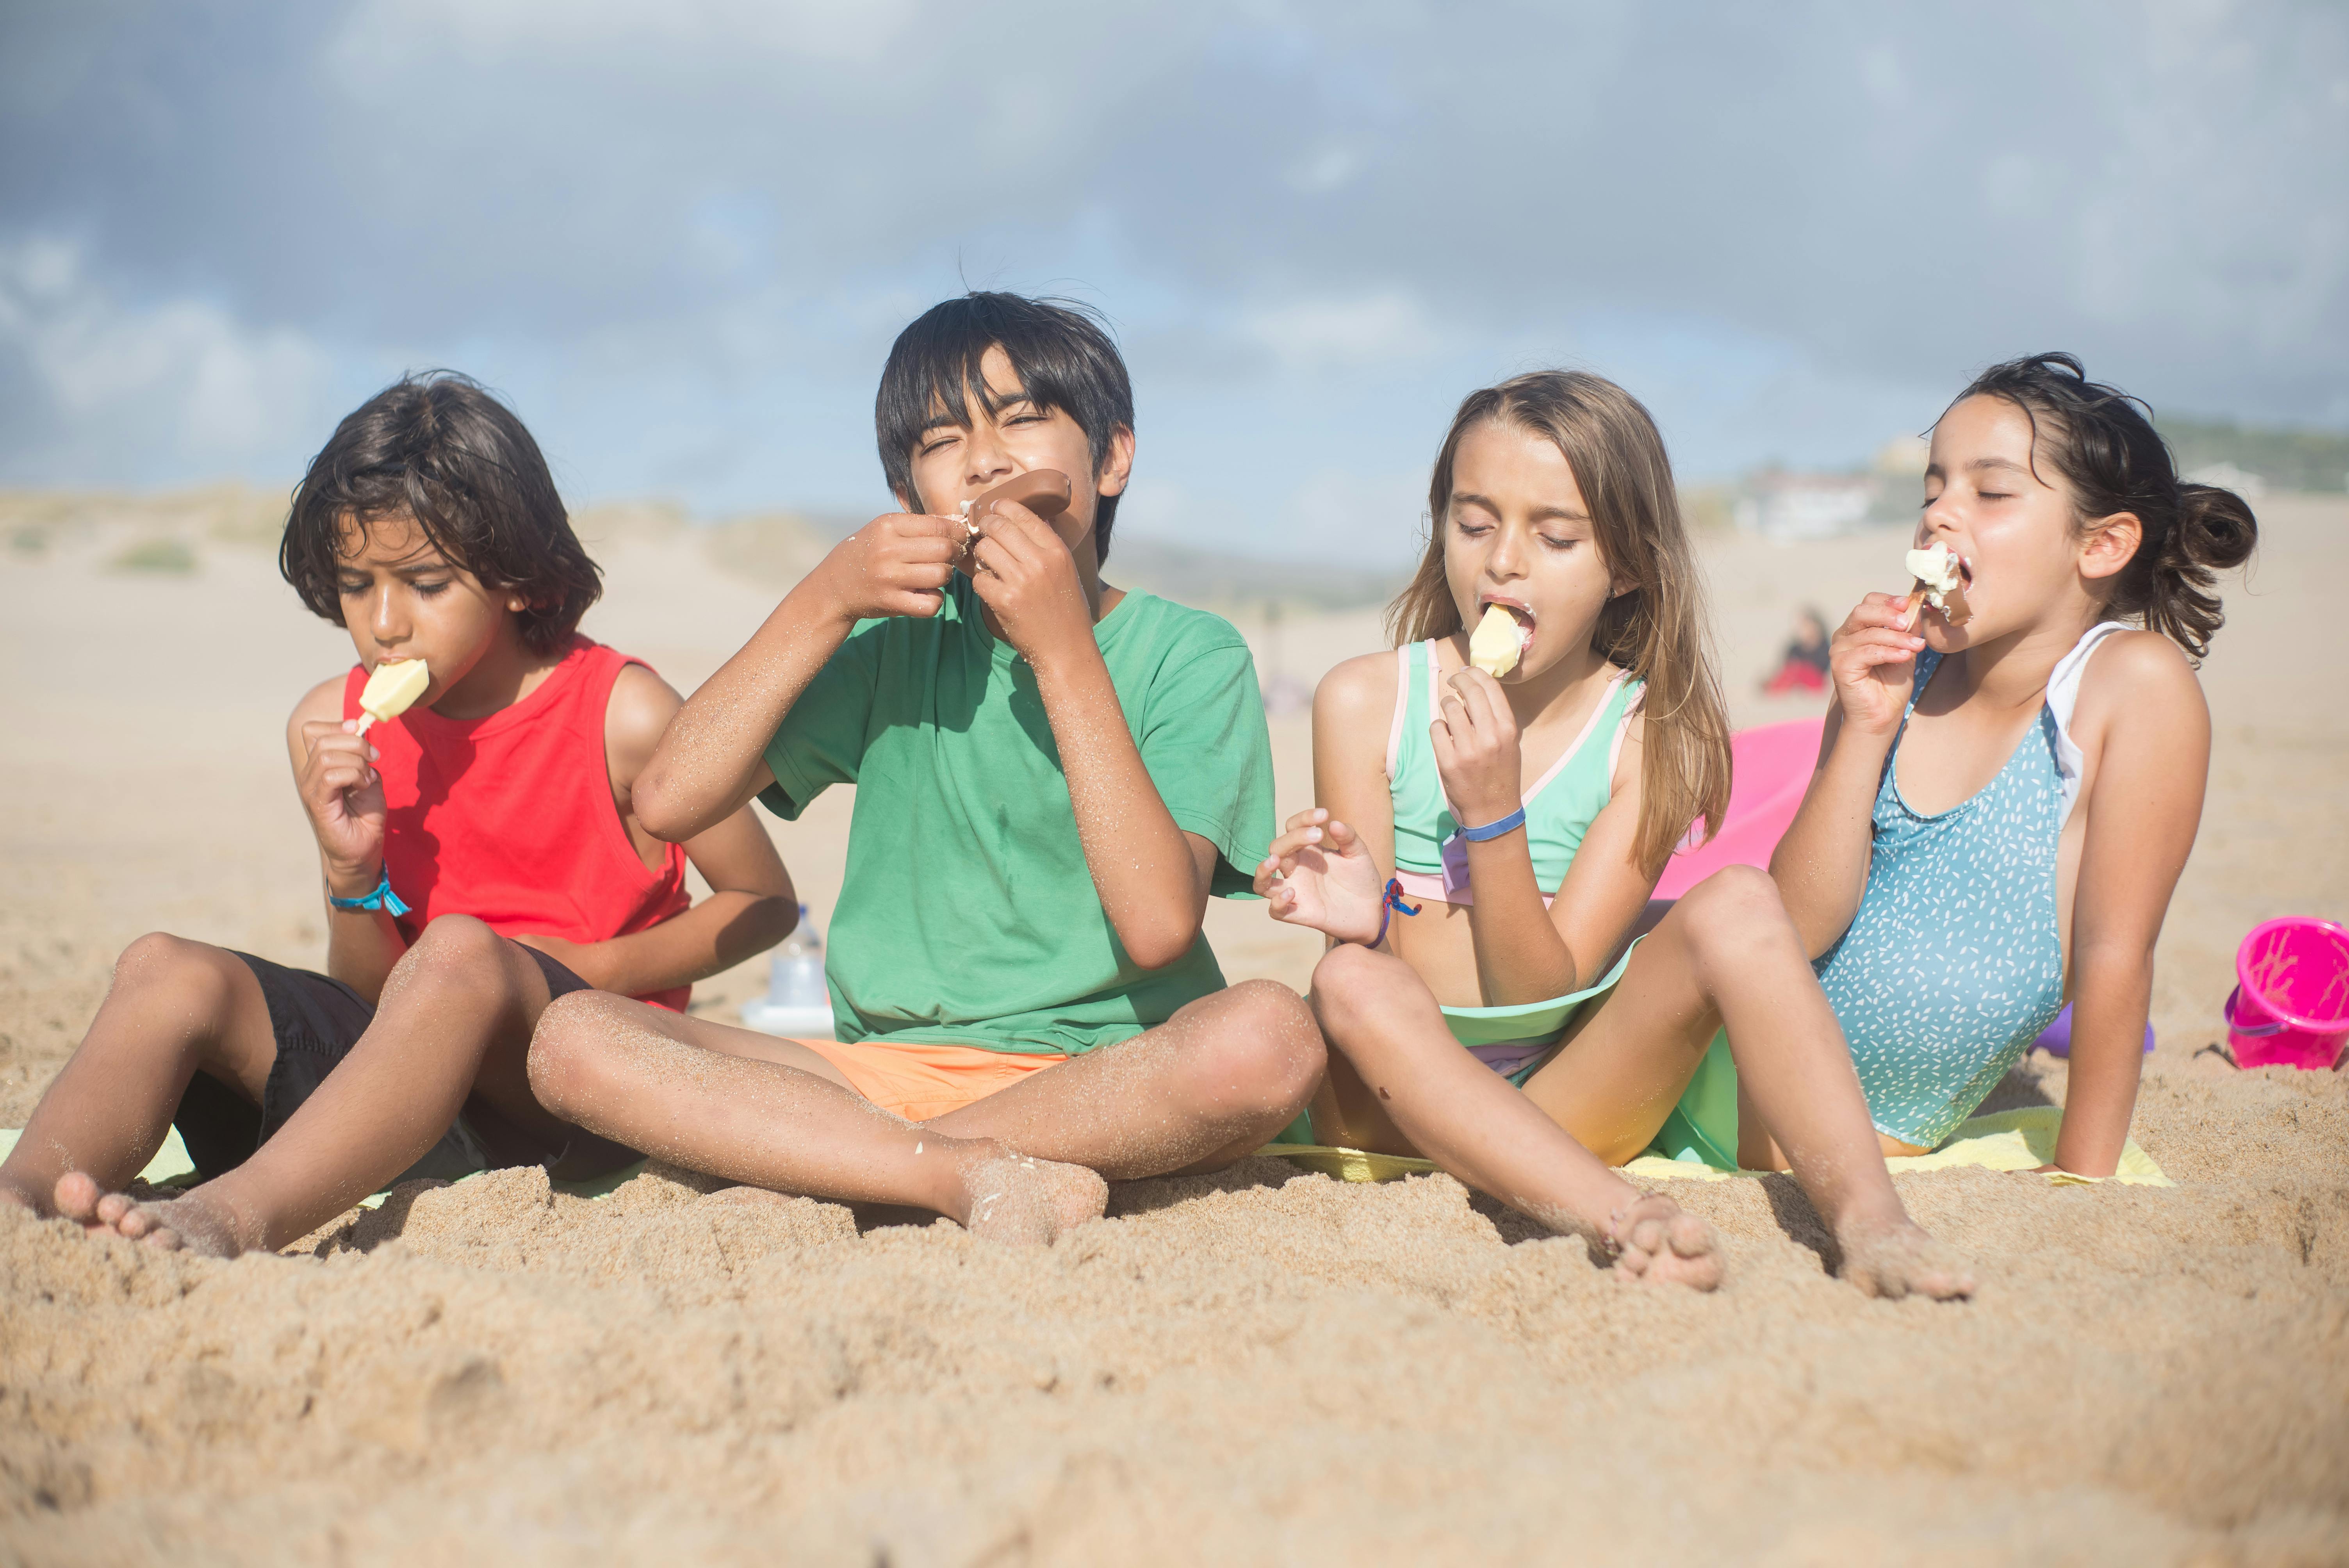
x=2130 y=669
x=322 y=703
x=635 y=718
x=1179 y=626
x=1358 y=690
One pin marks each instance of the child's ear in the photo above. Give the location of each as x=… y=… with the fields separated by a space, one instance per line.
x=2111 y=544
x=1117 y=468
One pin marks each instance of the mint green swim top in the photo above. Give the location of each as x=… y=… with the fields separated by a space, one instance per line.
x=1431 y=858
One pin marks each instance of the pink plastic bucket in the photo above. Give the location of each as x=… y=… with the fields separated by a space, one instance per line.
x=2290 y=1002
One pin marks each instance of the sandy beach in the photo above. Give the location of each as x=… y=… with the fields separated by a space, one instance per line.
x=1262 y=1366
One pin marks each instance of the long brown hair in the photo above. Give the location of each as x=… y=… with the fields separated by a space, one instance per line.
x=1655 y=628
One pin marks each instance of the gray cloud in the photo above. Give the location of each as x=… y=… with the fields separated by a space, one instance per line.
x=682 y=236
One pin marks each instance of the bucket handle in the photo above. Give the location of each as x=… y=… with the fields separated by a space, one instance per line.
x=2229 y=1010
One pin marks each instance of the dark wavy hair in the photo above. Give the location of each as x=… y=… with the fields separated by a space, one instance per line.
x=437 y=447
x=1060 y=350
x=2102 y=441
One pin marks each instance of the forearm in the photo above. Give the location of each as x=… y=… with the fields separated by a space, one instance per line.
x=2107 y=1057
x=362 y=947
x=709 y=761
x=714 y=935
x=1520 y=957
x=1141 y=863
x=1821 y=863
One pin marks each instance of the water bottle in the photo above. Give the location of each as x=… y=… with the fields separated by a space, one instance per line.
x=797 y=1002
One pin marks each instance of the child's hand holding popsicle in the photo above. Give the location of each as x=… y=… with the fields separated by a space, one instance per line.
x=339 y=786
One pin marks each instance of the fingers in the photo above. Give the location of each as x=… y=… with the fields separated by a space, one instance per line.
x=1480 y=697
x=1009 y=520
x=1877 y=610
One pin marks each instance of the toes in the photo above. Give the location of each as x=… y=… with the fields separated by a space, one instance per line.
x=77 y=1197
x=113 y=1209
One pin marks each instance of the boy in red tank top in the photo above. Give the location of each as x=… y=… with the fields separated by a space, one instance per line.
x=482 y=856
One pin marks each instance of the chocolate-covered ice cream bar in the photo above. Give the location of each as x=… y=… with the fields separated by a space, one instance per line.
x=1044 y=492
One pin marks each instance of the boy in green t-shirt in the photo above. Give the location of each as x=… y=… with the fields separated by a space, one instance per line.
x=1052 y=777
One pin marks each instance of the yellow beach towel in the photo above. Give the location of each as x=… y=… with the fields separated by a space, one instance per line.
x=2006 y=1140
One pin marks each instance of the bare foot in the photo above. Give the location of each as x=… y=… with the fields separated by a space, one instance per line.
x=1896 y=1258
x=1661 y=1242
x=1008 y=1197
x=195 y=1222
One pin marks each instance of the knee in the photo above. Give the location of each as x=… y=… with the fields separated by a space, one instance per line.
x=562 y=1061
x=1268 y=1042
x=454 y=949
x=1737 y=910
x=1349 y=983
x=1735 y=899
x=196 y=971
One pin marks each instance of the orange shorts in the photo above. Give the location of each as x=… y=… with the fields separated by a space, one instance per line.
x=919 y=1081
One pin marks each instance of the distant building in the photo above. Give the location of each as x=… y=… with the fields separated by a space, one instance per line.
x=1781 y=505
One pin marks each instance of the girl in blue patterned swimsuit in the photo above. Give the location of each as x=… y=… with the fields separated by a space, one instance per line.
x=2003 y=806
x=1484 y=1012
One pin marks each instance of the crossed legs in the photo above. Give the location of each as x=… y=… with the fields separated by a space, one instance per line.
x=1725 y=954
x=1023 y=1164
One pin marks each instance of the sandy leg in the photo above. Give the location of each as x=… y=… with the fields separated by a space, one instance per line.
x=175 y=1008
x=1406 y=1082
x=1207 y=1087
x=772 y=1114
x=1728 y=954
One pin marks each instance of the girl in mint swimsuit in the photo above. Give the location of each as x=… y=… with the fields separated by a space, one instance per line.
x=1486 y=846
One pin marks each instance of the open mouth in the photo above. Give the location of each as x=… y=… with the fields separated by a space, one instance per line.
x=1518 y=613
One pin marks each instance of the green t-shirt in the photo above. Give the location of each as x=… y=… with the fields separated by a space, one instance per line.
x=968 y=915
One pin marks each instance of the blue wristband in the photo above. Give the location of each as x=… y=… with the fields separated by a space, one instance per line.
x=1508 y=824
x=382 y=898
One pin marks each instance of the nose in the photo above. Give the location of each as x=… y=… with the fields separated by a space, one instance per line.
x=1508 y=560
x=386 y=617
x=988 y=459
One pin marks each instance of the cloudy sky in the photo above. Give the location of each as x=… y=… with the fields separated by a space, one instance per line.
x=679 y=236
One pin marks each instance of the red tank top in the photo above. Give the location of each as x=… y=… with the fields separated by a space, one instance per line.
x=509 y=817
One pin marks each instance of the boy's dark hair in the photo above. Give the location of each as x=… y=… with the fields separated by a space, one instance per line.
x=1060 y=350
x=2104 y=444
x=438 y=448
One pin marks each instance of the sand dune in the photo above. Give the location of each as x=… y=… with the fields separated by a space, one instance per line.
x=1257 y=1368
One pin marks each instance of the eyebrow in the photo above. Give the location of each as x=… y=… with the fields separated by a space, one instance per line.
x=2009 y=463
x=1541 y=514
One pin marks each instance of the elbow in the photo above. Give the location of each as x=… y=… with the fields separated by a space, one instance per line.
x=771 y=920
x=1164 y=946
x=658 y=810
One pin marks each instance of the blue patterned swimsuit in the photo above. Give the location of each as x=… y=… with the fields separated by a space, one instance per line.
x=1954 y=964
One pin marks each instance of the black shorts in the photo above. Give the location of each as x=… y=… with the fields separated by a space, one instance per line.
x=316 y=1020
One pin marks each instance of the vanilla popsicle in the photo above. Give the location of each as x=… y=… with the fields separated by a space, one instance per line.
x=391 y=690
x=1497 y=642
x=1939 y=582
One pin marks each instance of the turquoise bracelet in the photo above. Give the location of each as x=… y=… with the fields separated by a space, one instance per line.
x=384 y=898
